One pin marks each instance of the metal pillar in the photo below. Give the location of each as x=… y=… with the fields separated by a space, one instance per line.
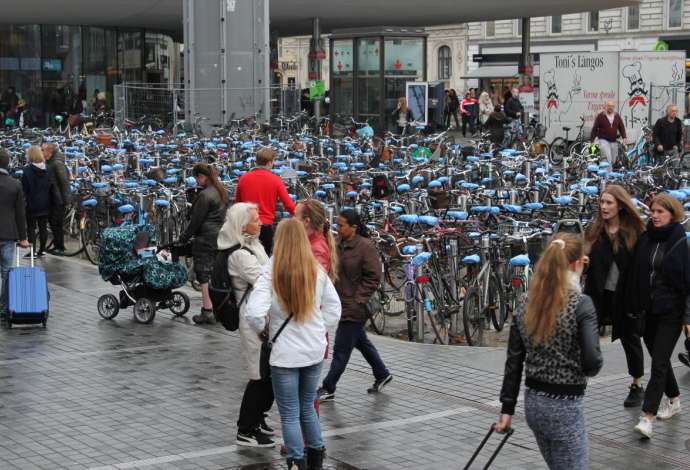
x=227 y=54
x=526 y=69
x=315 y=57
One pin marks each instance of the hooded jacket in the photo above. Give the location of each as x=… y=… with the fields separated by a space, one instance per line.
x=40 y=191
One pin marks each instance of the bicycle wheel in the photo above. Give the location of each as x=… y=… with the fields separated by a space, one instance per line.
x=89 y=238
x=441 y=326
x=514 y=293
x=377 y=318
x=496 y=303
x=557 y=150
x=472 y=319
x=72 y=234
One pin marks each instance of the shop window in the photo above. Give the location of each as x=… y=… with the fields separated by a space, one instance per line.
x=593 y=21
x=556 y=24
x=633 y=18
x=675 y=13
x=444 y=63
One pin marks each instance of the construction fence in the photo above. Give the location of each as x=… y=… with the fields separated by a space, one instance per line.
x=170 y=106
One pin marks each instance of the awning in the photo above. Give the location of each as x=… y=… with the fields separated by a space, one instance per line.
x=497 y=71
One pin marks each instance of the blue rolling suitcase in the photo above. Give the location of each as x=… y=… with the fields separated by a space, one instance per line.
x=27 y=295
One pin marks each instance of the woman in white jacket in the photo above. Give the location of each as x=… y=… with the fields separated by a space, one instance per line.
x=241 y=232
x=295 y=292
x=486 y=107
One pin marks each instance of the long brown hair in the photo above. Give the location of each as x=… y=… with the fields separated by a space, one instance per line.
x=212 y=175
x=402 y=104
x=548 y=290
x=318 y=220
x=294 y=270
x=630 y=224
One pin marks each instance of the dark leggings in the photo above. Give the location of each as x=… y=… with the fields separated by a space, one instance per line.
x=630 y=338
x=661 y=334
x=257 y=400
x=266 y=238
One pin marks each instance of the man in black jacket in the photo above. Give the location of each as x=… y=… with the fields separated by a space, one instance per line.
x=12 y=223
x=55 y=161
x=668 y=131
x=513 y=107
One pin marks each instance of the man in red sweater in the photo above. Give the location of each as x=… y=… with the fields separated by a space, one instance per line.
x=263 y=188
x=606 y=127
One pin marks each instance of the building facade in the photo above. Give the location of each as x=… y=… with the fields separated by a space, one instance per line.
x=45 y=63
x=494 y=47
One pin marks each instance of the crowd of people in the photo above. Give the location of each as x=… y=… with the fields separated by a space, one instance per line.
x=297 y=282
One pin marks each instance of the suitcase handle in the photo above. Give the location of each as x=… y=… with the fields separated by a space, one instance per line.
x=507 y=434
x=31 y=247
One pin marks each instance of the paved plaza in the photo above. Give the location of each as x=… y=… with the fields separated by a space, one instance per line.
x=87 y=393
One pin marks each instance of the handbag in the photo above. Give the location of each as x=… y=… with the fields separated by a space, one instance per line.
x=266 y=347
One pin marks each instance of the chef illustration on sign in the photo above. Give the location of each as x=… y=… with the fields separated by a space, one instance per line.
x=671 y=93
x=555 y=108
x=635 y=107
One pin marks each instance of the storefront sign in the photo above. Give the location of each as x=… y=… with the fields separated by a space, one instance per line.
x=285 y=66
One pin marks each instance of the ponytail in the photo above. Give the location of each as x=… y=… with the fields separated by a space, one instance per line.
x=548 y=290
x=212 y=175
x=318 y=220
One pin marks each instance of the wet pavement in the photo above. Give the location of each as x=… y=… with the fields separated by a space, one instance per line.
x=87 y=393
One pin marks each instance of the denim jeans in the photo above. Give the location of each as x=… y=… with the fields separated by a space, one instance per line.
x=348 y=336
x=7 y=254
x=295 y=391
x=558 y=425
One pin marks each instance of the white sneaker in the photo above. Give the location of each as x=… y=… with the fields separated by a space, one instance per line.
x=668 y=409
x=644 y=427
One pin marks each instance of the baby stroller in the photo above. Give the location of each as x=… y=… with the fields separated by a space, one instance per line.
x=147 y=283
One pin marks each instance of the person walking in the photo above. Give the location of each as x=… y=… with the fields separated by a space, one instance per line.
x=402 y=116
x=241 y=231
x=513 y=107
x=668 y=132
x=41 y=195
x=554 y=336
x=605 y=130
x=298 y=301
x=453 y=107
x=486 y=107
x=467 y=109
x=359 y=275
x=12 y=223
x=55 y=162
x=658 y=295
x=611 y=244
x=207 y=217
x=263 y=188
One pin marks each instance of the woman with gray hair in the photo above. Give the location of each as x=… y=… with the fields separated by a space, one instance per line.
x=241 y=231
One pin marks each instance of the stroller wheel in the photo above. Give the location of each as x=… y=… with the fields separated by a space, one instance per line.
x=144 y=310
x=179 y=303
x=108 y=306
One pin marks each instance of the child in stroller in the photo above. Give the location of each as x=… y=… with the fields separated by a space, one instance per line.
x=146 y=274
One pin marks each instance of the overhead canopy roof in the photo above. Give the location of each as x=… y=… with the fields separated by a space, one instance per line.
x=292 y=17
x=497 y=71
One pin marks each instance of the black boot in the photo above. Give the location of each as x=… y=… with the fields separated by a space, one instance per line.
x=315 y=458
x=296 y=464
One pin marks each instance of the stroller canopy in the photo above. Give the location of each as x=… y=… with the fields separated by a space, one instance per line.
x=117 y=249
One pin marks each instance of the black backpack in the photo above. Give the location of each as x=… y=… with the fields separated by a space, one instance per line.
x=226 y=309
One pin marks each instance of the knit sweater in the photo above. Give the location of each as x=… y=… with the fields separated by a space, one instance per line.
x=603 y=129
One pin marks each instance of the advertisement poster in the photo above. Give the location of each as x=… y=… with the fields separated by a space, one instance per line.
x=649 y=82
x=575 y=84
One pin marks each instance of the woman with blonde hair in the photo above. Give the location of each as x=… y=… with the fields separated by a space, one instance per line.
x=611 y=243
x=486 y=107
x=554 y=337
x=41 y=195
x=299 y=302
x=402 y=116
x=658 y=294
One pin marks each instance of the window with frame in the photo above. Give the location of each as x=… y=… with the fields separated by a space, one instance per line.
x=490 y=29
x=556 y=24
x=519 y=27
x=445 y=63
x=593 y=22
x=675 y=13
x=633 y=18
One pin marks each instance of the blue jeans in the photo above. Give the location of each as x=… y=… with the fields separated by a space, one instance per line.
x=348 y=336
x=7 y=254
x=295 y=391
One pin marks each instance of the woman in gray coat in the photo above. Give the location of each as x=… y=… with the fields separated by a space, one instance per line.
x=241 y=229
